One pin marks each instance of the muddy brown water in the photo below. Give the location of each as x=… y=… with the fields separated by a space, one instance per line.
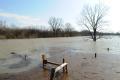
x=78 y=52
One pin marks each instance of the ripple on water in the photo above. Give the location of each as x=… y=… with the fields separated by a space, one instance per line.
x=21 y=64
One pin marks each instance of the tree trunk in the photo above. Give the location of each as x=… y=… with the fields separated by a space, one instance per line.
x=94 y=35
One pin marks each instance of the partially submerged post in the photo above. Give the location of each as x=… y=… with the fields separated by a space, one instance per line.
x=95 y=55
x=25 y=57
x=108 y=49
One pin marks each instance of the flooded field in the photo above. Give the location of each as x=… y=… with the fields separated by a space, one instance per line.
x=75 y=44
x=68 y=48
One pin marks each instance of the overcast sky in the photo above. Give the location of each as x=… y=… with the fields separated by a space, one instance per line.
x=37 y=12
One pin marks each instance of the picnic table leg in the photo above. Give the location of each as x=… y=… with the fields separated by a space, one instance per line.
x=63 y=67
x=66 y=69
x=52 y=73
x=43 y=60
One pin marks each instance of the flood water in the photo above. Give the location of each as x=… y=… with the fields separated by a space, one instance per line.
x=34 y=48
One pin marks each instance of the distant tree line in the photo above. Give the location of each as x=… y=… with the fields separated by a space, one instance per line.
x=56 y=29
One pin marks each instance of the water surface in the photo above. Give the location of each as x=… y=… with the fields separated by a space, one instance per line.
x=34 y=48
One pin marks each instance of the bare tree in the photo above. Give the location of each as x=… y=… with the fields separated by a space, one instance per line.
x=68 y=29
x=55 y=24
x=93 y=19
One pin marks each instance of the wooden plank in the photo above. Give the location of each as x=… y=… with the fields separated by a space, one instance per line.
x=60 y=67
x=53 y=63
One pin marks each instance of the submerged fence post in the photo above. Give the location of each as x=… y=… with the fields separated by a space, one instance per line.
x=52 y=73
